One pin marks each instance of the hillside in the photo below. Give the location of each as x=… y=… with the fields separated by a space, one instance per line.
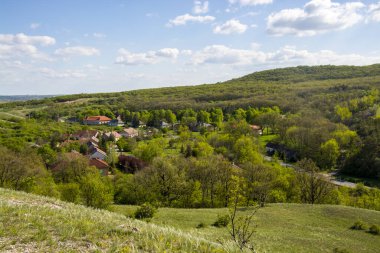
x=32 y=223
x=288 y=88
x=38 y=224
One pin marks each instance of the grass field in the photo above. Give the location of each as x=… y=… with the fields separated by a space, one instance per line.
x=30 y=223
x=283 y=227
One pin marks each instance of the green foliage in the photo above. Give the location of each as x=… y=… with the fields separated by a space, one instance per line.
x=374 y=229
x=96 y=192
x=145 y=211
x=222 y=221
x=329 y=154
x=359 y=225
x=201 y=225
x=70 y=192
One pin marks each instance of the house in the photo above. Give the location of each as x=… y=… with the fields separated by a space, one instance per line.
x=115 y=135
x=129 y=132
x=85 y=134
x=98 y=153
x=101 y=165
x=165 y=124
x=256 y=129
x=116 y=122
x=96 y=120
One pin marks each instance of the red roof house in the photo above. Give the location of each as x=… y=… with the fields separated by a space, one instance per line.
x=96 y=120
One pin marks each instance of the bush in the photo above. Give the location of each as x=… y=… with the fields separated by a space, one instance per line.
x=337 y=250
x=374 y=229
x=146 y=211
x=221 y=221
x=201 y=225
x=359 y=225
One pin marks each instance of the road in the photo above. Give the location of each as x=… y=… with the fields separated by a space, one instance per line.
x=331 y=177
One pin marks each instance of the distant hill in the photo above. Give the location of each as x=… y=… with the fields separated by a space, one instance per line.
x=23 y=97
x=310 y=73
x=288 y=88
x=31 y=223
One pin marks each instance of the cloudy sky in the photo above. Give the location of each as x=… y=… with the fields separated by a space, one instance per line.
x=76 y=46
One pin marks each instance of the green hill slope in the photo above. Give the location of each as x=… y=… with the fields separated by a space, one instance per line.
x=287 y=87
x=30 y=223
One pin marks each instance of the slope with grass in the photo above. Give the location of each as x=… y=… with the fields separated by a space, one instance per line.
x=283 y=227
x=30 y=223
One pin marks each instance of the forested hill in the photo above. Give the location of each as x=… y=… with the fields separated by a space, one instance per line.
x=308 y=73
x=288 y=88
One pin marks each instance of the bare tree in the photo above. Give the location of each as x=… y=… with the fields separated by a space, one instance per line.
x=241 y=227
x=314 y=188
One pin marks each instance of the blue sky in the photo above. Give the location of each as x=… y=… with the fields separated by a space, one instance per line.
x=76 y=46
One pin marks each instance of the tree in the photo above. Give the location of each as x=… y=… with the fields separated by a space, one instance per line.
x=329 y=154
x=203 y=117
x=19 y=171
x=216 y=117
x=147 y=152
x=343 y=112
x=96 y=191
x=241 y=228
x=314 y=188
x=245 y=150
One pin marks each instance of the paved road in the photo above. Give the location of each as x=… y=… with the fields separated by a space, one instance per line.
x=331 y=177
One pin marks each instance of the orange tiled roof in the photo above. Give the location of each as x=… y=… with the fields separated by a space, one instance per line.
x=98 y=118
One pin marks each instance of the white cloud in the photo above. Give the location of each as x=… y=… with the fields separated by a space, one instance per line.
x=184 y=19
x=21 y=38
x=231 y=26
x=285 y=56
x=200 y=7
x=34 y=26
x=186 y=52
x=250 y=2
x=220 y=54
x=317 y=16
x=77 y=51
x=151 y=57
x=374 y=12
x=168 y=53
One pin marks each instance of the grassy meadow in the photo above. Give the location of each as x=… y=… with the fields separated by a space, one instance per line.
x=282 y=227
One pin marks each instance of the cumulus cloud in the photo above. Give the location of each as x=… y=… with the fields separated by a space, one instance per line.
x=168 y=53
x=151 y=57
x=200 y=7
x=285 y=56
x=250 y=2
x=77 y=51
x=317 y=16
x=374 y=12
x=184 y=19
x=231 y=26
x=21 y=38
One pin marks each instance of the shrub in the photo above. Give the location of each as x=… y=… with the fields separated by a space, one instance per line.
x=222 y=221
x=338 y=250
x=359 y=225
x=145 y=211
x=201 y=225
x=374 y=229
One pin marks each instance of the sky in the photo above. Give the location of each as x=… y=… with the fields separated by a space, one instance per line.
x=86 y=46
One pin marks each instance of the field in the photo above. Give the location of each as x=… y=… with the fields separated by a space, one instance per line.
x=283 y=227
